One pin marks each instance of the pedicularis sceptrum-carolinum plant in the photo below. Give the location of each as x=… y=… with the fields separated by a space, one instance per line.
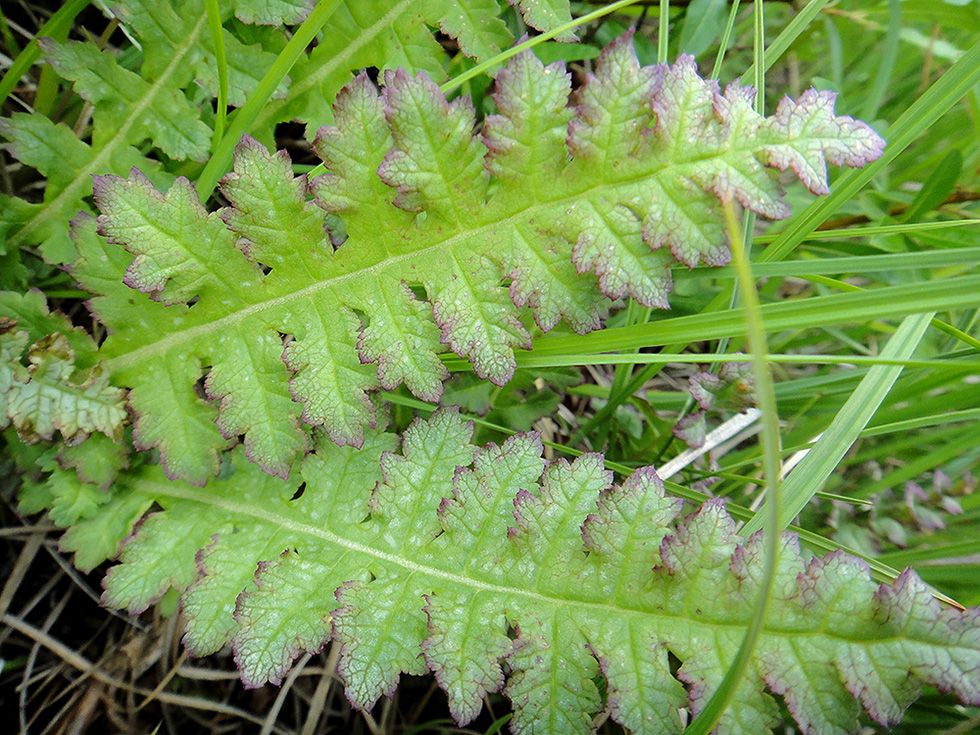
x=247 y=345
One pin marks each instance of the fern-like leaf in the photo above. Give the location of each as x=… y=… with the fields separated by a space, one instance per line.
x=155 y=102
x=461 y=562
x=178 y=70
x=429 y=243
x=273 y=12
x=12 y=344
x=546 y=14
x=392 y=34
x=47 y=397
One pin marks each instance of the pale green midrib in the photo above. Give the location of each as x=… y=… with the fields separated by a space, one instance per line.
x=578 y=195
x=367 y=35
x=172 y=490
x=118 y=140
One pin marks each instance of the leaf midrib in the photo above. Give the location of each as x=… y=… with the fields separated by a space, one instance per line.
x=578 y=195
x=172 y=490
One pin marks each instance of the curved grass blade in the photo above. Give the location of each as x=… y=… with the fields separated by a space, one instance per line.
x=795 y=28
x=221 y=159
x=724 y=695
x=218 y=39
x=57 y=24
x=810 y=474
x=880 y=303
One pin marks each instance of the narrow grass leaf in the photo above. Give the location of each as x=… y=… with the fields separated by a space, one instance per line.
x=220 y=161
x=828 y=266
x=841 y=308
x=937 y=187
x=923 y=422
x=530 y=360
x=218 y=39
x=937 y=457
x=810 y=474
x=723 y=696
x=886 y=62
x=903 y=229
x=793 y=30
x=725 y=38
x=57 y=25
x=663 y=35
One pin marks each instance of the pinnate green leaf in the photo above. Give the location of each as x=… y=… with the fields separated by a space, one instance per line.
x=58 y=154
x=388 y=35
x=32 y=315
x=97 y=460
x=98 y=519
x=72 y=500
x=546 y=15
x=475 y=23
x=472 y=563
x=157 y=98
x=172 y=417
x=12 y=344
x=654 y=153
x=177 y=48
x=46 y=397
x=273 y=12
x=808 y=134
x=98 y=538
x=157 y=101
x=170 y=120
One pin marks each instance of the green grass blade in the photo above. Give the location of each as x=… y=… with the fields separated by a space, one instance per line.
x=940 y=184
x=715 y=322
x=635 y=314
x=886 y=62
x=8 y=37
x=811 y=473
x=218 y=39
x=723 y=696
x=799 y=24
x=908 y=557
x=829 y=266
x=937 y=457
x=903 y=229
x=57 y=25
x=939 y=324
x=247 y=114
x=532 y=361
x=662 y=32
x=725 y=38
x=643 y=375
x=970 y=414
x=863 y=306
